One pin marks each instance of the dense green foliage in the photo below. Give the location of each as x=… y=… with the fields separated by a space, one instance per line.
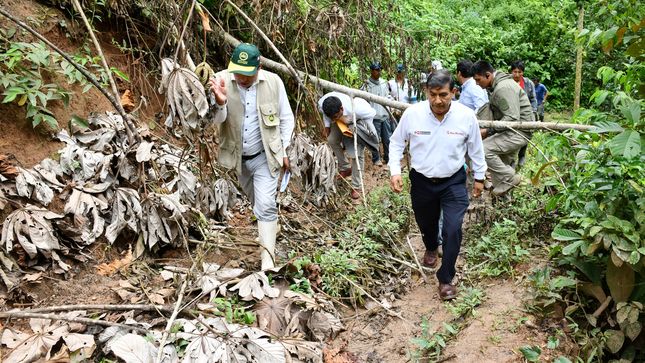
x=600 y=246
x=348 y=35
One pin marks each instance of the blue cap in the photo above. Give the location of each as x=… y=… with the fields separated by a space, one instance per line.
x=400 y=68
x=376 y=65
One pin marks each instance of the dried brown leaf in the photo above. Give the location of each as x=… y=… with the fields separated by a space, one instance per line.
x=271 y=314
x=7 y=168
x=127 y=101
x=107 y=269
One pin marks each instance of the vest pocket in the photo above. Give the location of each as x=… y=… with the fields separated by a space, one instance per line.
x=269 y=113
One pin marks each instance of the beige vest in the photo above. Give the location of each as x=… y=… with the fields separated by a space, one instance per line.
x=230 y=151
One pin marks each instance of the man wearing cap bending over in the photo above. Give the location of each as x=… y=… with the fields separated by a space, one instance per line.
x=440 y=133
x=256 y=122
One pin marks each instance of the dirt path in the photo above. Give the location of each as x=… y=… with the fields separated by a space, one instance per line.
x=493 y=334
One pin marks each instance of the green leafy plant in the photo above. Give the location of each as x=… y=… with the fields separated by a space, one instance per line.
x=466 y=302
x=300 y=282
x=25 y=69
x=361 y=239
x=232 y=311
x=431 y=344
x=21 y=76
x=497 y=252
x=531 y=353
x=546 y=289
x=603 y=208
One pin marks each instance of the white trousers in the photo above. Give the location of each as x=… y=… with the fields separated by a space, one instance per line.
x=260 y=187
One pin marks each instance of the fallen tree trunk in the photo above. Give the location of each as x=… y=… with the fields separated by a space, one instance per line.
x=400 y=105
x=319 y=81
x=555 y=126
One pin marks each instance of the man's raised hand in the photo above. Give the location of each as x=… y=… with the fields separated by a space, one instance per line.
x=218 y=89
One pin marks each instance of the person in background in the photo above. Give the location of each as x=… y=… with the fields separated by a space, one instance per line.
x=541 y=94
x=508 y=102
x=336 y=109
x=400 y=88
x=517 y=70
x=471 y=96
x=379 y=87
x=440 y=134
x=256 y=123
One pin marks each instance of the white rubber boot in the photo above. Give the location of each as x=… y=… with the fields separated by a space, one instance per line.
x=267 y=232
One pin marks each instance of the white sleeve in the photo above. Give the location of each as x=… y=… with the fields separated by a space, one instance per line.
x=476 y=149
x=287 y=122
x=397 y=144
x=481 y=98
x=216 y=113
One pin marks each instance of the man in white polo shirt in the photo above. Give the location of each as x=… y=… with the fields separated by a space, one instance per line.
x=440 y=133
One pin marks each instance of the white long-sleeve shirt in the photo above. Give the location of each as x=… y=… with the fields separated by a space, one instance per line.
x=251 y=136
x=438 y=148
x=472 y=95
x=363 y=109
x=401 y=93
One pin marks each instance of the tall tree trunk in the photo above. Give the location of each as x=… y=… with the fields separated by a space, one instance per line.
x=579 y=49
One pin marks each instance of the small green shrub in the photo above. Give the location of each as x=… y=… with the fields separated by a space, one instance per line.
x=26 y=72
x=497 y=252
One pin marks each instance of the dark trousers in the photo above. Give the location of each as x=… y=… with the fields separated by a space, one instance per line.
x=431 y=196
x=384 y=131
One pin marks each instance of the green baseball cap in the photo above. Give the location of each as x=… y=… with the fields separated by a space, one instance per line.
x=245 y=59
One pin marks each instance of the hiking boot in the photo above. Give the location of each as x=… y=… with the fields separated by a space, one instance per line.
x=344 y=174
x=500 y=190
x=447 y=291
x=355 y=194
x=430 y=259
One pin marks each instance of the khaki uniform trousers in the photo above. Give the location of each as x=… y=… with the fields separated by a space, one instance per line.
x=500 y=150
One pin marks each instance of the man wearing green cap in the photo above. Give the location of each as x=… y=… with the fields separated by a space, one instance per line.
x=256 y=123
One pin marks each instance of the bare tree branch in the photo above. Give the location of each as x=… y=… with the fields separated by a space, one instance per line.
x=129 y=127
x=352 y=92
x=86 y=321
